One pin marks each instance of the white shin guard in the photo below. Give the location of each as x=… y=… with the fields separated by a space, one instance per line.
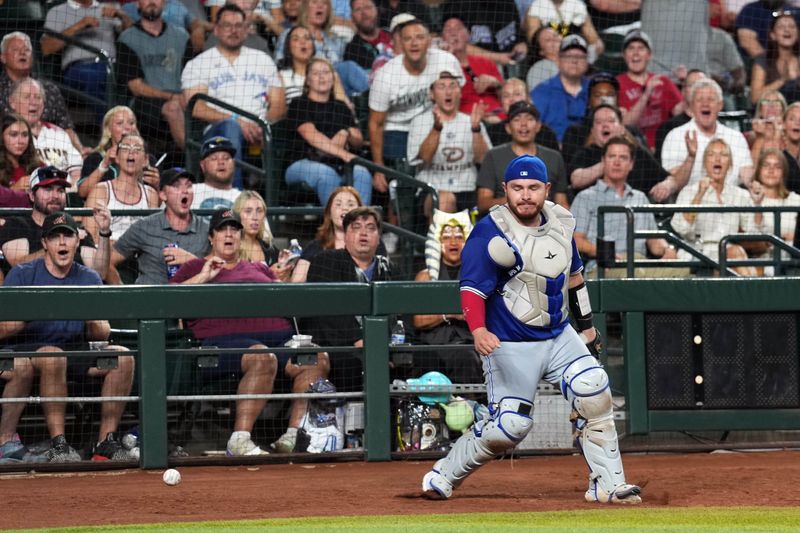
x=598 y=440
x=479 y=445
x=585 y=385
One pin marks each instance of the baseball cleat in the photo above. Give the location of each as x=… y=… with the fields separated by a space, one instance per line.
x=622 y=495
x=436 y=487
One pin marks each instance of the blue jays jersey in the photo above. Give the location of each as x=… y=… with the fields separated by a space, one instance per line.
x=522 y=273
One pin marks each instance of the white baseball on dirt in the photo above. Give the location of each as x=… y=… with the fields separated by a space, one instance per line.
x=171 y=477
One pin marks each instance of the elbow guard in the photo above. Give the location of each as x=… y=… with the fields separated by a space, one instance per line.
x=580 y=307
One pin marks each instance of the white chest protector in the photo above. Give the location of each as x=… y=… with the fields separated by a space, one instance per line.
x=546 y=253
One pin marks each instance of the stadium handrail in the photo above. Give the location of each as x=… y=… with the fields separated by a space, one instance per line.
x=101 y=56
x=631 y=235
x=265 y=172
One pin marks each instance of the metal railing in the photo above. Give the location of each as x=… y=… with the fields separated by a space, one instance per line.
x=722 y=264
x=265 y=172
x=101 y=56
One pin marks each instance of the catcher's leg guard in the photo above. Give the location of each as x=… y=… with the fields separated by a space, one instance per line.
x=478 y=446
x=585 y=385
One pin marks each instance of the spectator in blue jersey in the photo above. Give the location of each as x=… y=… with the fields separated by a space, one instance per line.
x=562 y=99
x=241 y=77
x=58 y=267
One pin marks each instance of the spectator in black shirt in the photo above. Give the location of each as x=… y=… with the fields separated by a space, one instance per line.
x=358 y=261
x=323 y=129
x=586 y=165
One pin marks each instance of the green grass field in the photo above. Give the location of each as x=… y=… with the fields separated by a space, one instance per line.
x=673 y=520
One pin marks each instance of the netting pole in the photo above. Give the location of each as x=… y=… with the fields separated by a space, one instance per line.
x=153 y=392
x=636 y=368
x=376 y=388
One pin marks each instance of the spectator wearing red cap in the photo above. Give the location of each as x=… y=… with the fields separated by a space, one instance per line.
x=21 y=237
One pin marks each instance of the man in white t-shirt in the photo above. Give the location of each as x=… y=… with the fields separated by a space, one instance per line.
x=400 y=92
x=217 y=190
x=240 y=76
x=52 y=143
x=682 y=152
x=448 y=144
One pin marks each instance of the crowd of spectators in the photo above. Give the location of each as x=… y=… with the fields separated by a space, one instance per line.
x=625 y=101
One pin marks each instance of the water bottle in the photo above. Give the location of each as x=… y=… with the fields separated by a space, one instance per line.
x=172 y=269
x=131 y=438
x=398 y=333
x=698 y=241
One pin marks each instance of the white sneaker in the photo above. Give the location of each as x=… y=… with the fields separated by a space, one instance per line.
x=286 y=442
x=436 y=487
x=240 y=444
x=624 y=495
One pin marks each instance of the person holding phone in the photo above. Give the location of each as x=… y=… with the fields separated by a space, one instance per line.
x=101 y=163
x=223 y=264
x=126 y=191
x=257 y=240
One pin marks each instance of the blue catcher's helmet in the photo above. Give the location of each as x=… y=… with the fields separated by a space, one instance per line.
x=423 y=384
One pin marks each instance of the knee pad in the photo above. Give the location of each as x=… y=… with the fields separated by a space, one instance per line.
x=486 y=440
x=584 y=384
x=510 y=425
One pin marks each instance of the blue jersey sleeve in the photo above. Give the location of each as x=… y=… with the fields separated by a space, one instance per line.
x=478 y=271
x=16 y=278
x=577 y=262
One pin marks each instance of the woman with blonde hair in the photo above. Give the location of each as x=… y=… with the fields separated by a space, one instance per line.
x=767 y=124
x=706 y=230
x=252 y=210
x=101 y=164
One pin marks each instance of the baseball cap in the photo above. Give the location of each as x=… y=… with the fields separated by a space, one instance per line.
x=526 y=167
x=637 y=35
x=518 y=108
x=604 y=77
x=424 y=383
x=445 y=75
x=59 y=220
x=398 y=22
x=169 y=177
x=574 y=41
x=49 y=175
x=222 y=217
x=217 y=144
